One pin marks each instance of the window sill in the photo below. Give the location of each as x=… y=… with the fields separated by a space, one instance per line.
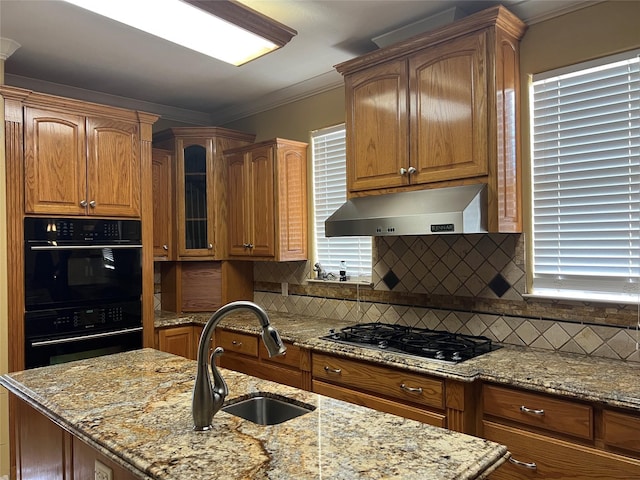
x=360 y=283
x=585 y=297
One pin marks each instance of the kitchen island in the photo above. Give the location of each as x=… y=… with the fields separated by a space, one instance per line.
x=134 y=408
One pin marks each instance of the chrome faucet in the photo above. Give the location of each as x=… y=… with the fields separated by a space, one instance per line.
x=208 y=399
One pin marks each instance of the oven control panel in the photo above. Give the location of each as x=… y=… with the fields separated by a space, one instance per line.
x=80 y=230
x=56 y=322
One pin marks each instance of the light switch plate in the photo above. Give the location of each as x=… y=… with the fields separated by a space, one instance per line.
x=102 y=472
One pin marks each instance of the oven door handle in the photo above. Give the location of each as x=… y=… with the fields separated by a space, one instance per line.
x=44 y=343
x=84 y=247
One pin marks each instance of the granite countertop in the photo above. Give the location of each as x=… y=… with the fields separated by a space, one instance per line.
x=135 y=408
x=610 y=382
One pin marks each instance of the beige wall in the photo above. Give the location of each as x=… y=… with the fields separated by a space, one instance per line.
x=295 y=121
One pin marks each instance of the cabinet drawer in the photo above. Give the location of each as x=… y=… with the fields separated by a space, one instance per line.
x=244 y=343
x=621 y=430
x=256 y=368
x=538 y=410
x=406 y=386
x=550 y=458
x=291 y=357
x=380 y=404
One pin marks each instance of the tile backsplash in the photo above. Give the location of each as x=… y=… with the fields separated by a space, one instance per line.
x=471 y=284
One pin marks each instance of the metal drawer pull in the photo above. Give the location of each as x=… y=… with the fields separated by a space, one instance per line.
x=337 y=371
x=236 y=343
x=411 y=389
x=529 y=465
x=532 y=411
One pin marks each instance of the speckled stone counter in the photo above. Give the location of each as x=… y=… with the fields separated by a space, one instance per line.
x=135 y=408
x=611 y=382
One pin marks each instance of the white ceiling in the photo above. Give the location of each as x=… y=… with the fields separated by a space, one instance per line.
x=68 y=51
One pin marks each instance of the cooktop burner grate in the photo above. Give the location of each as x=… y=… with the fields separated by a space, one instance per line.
x=432 y=344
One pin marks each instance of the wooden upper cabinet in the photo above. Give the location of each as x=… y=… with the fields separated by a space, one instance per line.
x=448 y=86
x=199 y=189
x=55 y=162
x=377 y=126
x=113 y=167
x=440 y=109
x=162 y=161
x=78 y=165
x=267 y=201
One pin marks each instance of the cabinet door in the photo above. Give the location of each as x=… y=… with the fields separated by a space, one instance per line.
x=179 y=341
x=55 y=173
x=261 y=200
x=42 y=448
x=162 y=225
x=113 y=168
x=377 y=127
x=195 y=219
x=238 y=221
x=448 y=86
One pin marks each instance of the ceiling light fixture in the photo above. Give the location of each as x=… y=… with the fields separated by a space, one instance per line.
x=223 y=29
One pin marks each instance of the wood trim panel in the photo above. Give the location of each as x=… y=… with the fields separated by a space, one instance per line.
x=146 y=217
x=84 y=458
x=15 y=231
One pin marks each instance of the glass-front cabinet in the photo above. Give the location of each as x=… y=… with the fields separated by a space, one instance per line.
x=198 y=186
x=197 y=236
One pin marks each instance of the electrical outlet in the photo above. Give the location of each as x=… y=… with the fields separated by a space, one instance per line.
x=102 y=471
x=285 y=289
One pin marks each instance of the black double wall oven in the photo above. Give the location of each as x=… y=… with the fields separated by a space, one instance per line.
x=83 y=285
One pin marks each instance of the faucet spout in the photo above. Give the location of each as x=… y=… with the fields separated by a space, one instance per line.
x=208 y=398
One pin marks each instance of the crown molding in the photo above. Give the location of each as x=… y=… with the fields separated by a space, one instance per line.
x=319 y=84
x=165 y=111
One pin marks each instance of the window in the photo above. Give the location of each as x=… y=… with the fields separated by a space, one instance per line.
x=329 y=193
x=586 y=180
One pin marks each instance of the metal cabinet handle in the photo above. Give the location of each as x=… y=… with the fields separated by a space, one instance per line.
x=532 y=411
x=403 y=171
x=337 y=371
x=165 y=247
x=411 y=389
x=83 y=203
x=529 y=465
x=236 y=343
x=92 y=204
x=411 y=170
x=210 y=246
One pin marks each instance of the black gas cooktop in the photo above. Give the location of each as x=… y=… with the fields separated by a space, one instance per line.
x=436 y=345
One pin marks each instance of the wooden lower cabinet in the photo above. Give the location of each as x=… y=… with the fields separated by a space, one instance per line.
x=431 y=400
x=181 y=341
x=552 y=437
x=43 y=450
x=544 y=457
x=246 y=353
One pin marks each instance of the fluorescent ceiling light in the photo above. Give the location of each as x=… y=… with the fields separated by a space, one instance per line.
x=195 y=25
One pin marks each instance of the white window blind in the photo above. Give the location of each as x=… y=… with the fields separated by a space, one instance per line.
x=586 y=180
x=329 y=193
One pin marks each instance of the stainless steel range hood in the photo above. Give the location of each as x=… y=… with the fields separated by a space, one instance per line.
x=425 y=212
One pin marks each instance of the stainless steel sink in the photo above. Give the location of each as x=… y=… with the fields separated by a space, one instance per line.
x=267 y=410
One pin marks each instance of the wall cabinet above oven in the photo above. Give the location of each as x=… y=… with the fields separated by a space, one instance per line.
x=77 y=164
x=198 y=189
x=437 y=110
